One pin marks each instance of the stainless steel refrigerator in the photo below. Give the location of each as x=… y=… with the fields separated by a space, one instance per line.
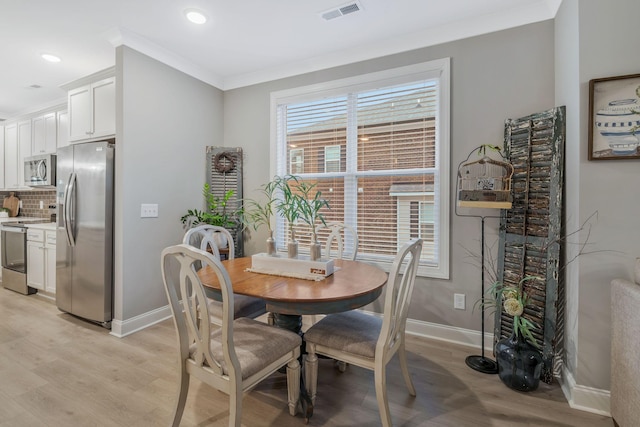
x=84 y=245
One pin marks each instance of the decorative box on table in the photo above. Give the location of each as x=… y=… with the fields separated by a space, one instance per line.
x=291 y=267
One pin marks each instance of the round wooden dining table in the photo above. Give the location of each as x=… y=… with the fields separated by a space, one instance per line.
x=353 y=284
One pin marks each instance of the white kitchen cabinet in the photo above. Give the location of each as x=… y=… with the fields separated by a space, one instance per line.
x=62 y=118
x=35 y=258
x=45 y=134
x=24 y=148
x=92 y=111
x=41 y=259
x=11 y=156
x=50 y=261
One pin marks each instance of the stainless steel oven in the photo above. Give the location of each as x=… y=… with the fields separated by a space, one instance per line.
x=14 y=258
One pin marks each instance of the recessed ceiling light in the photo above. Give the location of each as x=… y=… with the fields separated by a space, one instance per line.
x=195 y=16
x=50 y=58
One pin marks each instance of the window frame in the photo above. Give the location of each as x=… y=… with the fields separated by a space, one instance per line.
x=436 y=69
x=333 y=160
x=291 y=156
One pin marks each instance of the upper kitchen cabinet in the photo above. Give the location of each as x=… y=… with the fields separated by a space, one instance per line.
x=62 y=119
x=24 y=148
x=11 y=156
x=45 y=134
x=92 y=108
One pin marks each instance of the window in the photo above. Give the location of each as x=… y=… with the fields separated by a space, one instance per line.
x=332 y=158
x=296 y=161
x=377 y=146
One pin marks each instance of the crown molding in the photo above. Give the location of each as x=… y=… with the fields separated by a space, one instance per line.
x=457 y=30
x=452 y=31
x=121 y=36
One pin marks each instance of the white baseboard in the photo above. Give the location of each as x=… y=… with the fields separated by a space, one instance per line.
x=122 y=328
x=450 y=334
x=579 y=397
x=585 y=398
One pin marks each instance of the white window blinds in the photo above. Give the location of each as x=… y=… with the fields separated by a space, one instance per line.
x=378 y=149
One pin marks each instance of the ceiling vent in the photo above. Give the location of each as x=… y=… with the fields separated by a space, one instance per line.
x=345 y=9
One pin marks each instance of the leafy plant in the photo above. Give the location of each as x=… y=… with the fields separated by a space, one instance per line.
x=217 y=212
x=289 y=205
x=310 y=206
x=257 y=214
x=513 y=299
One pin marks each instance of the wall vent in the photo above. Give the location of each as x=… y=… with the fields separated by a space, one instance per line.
x=339 y=11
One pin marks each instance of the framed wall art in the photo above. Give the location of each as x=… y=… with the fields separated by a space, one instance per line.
x=614 y=118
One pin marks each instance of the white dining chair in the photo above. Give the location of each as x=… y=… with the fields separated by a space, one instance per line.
x=232 y=358
x=205 y=237
x=341 y=242
x=369 y=341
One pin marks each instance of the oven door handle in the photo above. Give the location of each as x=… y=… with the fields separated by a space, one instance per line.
x=69 y=209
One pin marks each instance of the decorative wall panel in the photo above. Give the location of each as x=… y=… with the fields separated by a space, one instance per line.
x=224 y=173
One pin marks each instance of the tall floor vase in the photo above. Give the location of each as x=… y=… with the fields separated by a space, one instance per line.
x=519 y=363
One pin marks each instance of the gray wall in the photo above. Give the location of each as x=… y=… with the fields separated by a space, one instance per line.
x=502 y=75
x=601 y=43
x=165 y=121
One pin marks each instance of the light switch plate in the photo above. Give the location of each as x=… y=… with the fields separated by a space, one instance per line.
x=459 y=301
x=148 y=210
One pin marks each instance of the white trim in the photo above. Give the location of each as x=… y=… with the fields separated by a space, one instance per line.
x=457 y=30
x=451 y=334
x=435 y=69
x=585 y=398
x=122 y=328
x=122 y=36
x=439 y=69
x=579 y=397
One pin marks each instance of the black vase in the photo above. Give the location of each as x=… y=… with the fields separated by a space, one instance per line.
x=519 y=363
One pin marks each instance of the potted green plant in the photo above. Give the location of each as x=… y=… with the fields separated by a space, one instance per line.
x=289 y=208
x=258 y=214
x=310 y=207
x=518 y=356
x=4 y=212
x=217 y=212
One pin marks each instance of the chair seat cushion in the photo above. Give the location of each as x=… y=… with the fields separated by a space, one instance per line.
x=352 y=332
x=256 y=344
x=243 y=306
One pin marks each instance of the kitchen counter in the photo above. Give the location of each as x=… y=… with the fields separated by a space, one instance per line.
x=37 y=222
x=43 y=226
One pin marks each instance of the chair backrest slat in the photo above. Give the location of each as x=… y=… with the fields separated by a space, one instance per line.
x=342 y=238
x=398 y=293
x=204 y=237
x=194 y=334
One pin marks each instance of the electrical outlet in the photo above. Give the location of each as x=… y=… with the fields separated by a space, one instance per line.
x=459 y=301
x=148 y=210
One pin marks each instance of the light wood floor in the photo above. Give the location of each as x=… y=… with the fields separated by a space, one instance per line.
x=56 y=370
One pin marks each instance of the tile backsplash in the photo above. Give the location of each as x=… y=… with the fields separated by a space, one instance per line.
x=31 y=202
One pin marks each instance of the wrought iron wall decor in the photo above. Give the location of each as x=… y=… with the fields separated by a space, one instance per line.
x=530 y=232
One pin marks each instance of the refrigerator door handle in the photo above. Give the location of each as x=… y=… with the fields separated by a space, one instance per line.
x=69 y=208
